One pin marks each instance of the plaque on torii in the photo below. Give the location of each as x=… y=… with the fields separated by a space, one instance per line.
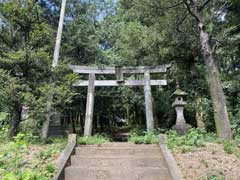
x=119 y=71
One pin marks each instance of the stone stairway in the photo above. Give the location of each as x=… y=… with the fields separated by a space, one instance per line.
x=117 y=161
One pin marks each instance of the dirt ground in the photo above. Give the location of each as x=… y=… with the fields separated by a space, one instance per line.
x=208 y=162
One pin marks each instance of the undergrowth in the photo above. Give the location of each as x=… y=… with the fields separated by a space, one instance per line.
x=213 y=175
x=27 y=158
x=91 y=140
x=196 y=138
x=142 y=137
x=193 y=139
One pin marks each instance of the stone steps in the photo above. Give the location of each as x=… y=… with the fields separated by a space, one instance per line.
x=76 y=173
x=120 y=151
x=117 y=161
x=87 y=162
x=121 y=144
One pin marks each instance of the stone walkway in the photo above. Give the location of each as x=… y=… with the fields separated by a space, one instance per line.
x=117 y=161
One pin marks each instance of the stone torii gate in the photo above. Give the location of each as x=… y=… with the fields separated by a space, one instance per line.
x=119 y=71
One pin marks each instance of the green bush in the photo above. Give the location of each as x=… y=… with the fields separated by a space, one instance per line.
x=40 y=167
x=3 y=134
x=11 y=157
x=236 y=125
x=3 y=116
x=144 y=138
x=49 y=170
x=91 y=140
x=138 y=131
x=228 y=147
x=194 y=138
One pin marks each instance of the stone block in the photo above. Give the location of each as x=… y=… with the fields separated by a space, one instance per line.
x=182 y=128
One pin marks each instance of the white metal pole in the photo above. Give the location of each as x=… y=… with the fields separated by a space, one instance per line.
x=59 y=35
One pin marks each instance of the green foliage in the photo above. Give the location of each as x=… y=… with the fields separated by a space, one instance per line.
x=232 y=147
x=193 y=139
x=43 y=161
x=198 y=138
x=11 y=157
x=213 y=175
x=3 y=116
x=207 y=109
x=143 y=137
x=91 y=140
x=3 y=134
x=228 y=147
x=30 y=174
x=138 y=131
x=236 y=125
x=39 y=167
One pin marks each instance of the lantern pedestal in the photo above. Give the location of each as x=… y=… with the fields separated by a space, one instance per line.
x=181 y=126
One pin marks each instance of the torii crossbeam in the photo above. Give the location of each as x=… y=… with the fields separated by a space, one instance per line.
x=119 y=71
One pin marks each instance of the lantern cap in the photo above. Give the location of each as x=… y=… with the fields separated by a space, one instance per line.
x=179 y=92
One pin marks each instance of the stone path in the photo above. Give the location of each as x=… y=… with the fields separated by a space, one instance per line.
x=118 y=161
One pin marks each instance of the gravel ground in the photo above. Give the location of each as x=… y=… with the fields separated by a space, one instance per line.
x=209 y=161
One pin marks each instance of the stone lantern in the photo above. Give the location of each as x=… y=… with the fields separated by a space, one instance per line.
x=181 y=126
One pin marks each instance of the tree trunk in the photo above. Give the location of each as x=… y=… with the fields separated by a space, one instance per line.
x=73 y=122
x=15 y=120
x=82 y=122
x=199 y=113
x=216 y=91
x=155 y=118
x=45 y=127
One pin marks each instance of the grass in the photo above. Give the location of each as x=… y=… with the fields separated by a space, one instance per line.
x=93 y=140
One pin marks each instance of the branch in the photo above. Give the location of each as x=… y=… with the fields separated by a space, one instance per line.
x=216 y=43
x=204 y=5
x=173 y=6
x=168 y=7
x=181 y=22
x=191 y=11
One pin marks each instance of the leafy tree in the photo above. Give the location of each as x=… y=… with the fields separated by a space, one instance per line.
x=25 y=60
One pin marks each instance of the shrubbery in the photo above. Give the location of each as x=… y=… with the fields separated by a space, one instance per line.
x=236 y=125
x=143 y=137
x=195 y=138
x=198 y=138
x=91 y=140
x=13 y=166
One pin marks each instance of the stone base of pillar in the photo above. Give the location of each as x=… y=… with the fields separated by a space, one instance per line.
x=182 y=129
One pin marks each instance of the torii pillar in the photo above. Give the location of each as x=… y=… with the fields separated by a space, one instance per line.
x=90 y=106
x=148 y=101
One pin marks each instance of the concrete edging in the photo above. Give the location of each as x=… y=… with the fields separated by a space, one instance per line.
x=64 y=158
x=170 y=160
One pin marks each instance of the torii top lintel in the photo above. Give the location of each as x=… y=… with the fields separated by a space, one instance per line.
x=119 y=71
x=124 y=69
